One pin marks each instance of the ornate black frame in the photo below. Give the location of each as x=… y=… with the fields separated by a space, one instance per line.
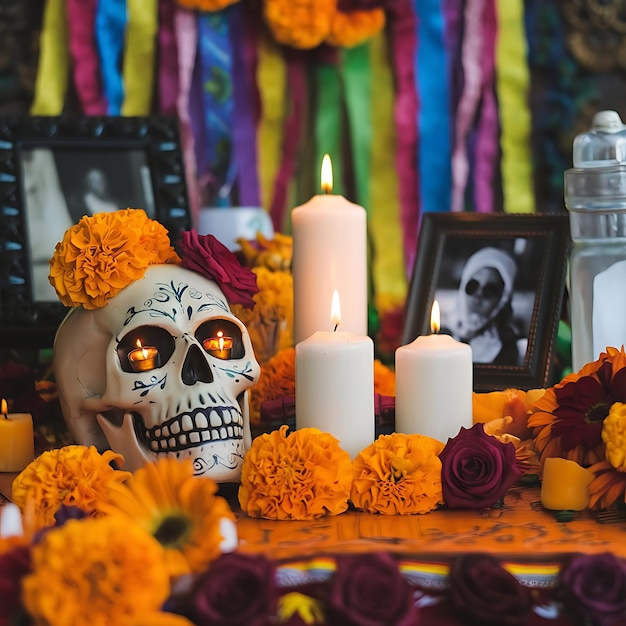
x=23 y=322
x=553 y=229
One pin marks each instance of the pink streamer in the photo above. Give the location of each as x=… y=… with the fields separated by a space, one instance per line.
x=487 y=149
x=186 y=41
x=470 y=54
x=81 y=17
x=168 y=59
x=296 y=79
x=403 y=39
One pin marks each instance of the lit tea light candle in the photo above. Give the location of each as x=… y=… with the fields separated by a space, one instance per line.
x=17 y=440
x=434 y=380
x=335 y=384
x=219 y=346
x=329 y=252
x=144 y=358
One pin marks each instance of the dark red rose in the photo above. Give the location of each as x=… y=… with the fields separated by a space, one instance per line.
x=14 y=565
x=237 y=589
x=476 y=469
x=368 y=590
x=211 y=258
x=479 y=587
x=593 y=586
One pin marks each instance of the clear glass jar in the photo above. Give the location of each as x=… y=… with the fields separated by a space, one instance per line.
x=595 y=196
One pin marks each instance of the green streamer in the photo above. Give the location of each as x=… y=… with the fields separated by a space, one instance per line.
x=355 y=71
x=328 y=123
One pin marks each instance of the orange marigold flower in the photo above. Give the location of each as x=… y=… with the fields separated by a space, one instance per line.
x=398 y=474
x=299 y=23
x=277 y=380
x=355 y=27
x=384 y=379
x=96 y=572
x=180 y=510
x=567 y=420
x=73 y=476
x=105 y=252
x=300 y=476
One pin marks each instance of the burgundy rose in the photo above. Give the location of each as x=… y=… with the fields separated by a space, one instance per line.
x=478 y=586
x=211 y=258
x=238 y=588
x=594 y=586
x=367 y=590
x=14 y=565
x=476 y=469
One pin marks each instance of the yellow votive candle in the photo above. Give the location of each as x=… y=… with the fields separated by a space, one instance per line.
x=17 y=441
x=565 y=485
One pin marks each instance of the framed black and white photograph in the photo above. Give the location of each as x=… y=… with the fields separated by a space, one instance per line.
x=499 y=280
x=55 y=170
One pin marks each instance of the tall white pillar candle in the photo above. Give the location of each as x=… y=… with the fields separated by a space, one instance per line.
x=434 y=383
x=329 y=252
x=335 y=387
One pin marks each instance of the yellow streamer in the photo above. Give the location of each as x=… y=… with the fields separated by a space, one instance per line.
x=53 y=70
x=513 y=88
x=139 y=56
x=271 y=79
x=385 y=228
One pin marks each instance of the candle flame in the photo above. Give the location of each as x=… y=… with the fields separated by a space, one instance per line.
x=144 y=352
x=435 y=317
x=327 y=174
x=4 y=409
x=335 y=309
x=220 y=339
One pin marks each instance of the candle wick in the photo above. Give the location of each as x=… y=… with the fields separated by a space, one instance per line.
x=335 y=329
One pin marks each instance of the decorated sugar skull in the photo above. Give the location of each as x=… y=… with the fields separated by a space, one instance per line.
x=163 y=368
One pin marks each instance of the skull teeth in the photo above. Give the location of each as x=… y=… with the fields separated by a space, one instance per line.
x=193 y=429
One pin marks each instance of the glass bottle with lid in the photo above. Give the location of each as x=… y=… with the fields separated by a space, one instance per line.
x=595 y=196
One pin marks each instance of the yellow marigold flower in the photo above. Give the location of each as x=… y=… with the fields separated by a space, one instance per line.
x=96 y=572
x=73 y=475
x=299 y=23
x=270 y=322
x=180 y=510
x=398 y=474
x=308 y=609
x=300 y=476
x=614 y=436
x=354 y=27
x=105 y=252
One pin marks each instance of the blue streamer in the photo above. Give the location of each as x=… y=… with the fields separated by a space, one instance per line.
x=110 y=25
x=215 y=55
x=433 y=119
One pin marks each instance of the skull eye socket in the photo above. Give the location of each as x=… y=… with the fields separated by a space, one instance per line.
x=145 y=348
x=221 y=339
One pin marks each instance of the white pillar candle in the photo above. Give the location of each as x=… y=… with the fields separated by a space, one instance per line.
x=335 y=387
x=329 y=252
x=434 y=377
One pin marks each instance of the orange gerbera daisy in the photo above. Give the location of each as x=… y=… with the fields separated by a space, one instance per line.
x=567 y=420
x=177 y=508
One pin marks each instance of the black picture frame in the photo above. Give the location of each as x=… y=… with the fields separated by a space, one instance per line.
x=142 y=158
x=539 y=245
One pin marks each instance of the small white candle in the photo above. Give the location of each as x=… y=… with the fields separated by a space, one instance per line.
x=329 y=252
x=434 y=377
x=335 y=386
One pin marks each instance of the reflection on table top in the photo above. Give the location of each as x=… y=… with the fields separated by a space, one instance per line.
x=521 y=529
